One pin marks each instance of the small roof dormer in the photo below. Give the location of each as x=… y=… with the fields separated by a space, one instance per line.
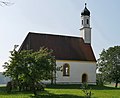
x=85 y=12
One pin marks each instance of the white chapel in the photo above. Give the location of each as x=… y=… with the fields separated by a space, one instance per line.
x=75 y=59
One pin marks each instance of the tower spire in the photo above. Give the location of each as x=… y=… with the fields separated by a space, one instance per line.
x=85 y=25
x=85 y=4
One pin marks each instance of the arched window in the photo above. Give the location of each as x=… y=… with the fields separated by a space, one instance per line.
x=66 y=69
x=84 y=78
x=87 y=21
x=82 y=22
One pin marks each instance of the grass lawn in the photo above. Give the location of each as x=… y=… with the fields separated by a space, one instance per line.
x=65 y=91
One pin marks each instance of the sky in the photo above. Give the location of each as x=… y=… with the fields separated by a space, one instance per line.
x=61 y=17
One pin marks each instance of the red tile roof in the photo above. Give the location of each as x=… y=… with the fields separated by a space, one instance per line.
x=64 y=47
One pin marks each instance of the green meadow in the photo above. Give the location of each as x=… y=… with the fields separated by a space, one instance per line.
x=64 y=91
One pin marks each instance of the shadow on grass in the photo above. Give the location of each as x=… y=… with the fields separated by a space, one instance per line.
x=64 y=86
x=43 y=94
x=57 y=96
x=46 y=94
x=4 y=92
x=78 y=86
x=94 y=87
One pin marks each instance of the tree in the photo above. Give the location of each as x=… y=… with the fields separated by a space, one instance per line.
x=109 y=64
x=28 y=67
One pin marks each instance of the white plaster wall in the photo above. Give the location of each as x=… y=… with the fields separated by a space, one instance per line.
x=85 y=33
x=77 y=69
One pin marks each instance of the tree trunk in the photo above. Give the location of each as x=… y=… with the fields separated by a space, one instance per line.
x=34 y=91
x=116 y=84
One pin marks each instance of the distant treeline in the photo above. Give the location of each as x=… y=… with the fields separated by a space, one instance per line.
x=3 y=79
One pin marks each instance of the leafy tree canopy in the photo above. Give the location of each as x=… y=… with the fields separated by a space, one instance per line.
x=109 y=64
x=30 y=67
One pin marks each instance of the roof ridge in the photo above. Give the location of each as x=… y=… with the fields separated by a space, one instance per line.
x=54 y=35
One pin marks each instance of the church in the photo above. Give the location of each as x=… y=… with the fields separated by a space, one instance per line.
x=75 y=58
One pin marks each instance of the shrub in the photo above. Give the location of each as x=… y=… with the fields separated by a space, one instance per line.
x=88 y=93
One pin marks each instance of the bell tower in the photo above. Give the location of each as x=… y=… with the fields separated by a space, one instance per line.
x=85 y=28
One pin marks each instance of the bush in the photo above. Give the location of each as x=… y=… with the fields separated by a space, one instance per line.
x=99 y=80
x=88 y=93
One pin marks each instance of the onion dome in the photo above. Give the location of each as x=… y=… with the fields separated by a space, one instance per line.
x=85 y=12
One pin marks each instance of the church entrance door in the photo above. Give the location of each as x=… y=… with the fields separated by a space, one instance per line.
x=84 y=78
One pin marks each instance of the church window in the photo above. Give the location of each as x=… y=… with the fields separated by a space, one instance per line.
x=82 y=22
x=87 y=21
x=66 y=69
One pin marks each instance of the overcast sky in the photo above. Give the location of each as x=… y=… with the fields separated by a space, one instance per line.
x=58 y=17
